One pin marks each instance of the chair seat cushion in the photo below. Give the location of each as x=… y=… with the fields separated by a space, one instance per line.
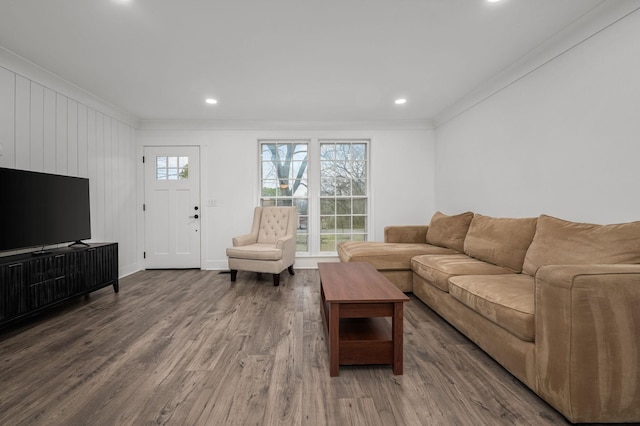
x=255 y=252
x=506 y=300
x=437 y=269
x=386 y=256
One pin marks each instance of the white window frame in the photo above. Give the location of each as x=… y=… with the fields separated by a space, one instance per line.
x=313 y=194
x=366 y=197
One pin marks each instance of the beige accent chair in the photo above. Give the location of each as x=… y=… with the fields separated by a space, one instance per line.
x=271 y=245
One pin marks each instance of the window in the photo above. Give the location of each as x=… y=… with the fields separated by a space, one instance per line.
x=343 y=193
x=332 y=199
x=172 y=168
x=284 y=182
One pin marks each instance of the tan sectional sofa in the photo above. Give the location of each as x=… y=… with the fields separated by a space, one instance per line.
x=557 y=303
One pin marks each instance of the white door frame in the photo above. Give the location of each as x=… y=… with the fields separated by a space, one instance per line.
x=199 y=212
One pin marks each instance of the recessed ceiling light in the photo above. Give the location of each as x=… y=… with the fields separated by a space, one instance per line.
x=494 y=1
x=211 y=101
x=400 y=101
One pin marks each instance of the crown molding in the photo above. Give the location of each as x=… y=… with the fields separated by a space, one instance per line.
x=602 y=16
x=284 y=125
x=33 y=72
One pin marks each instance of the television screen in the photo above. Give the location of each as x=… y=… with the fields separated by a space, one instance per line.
x=39 y=209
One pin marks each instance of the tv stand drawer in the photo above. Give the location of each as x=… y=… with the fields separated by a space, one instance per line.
x=32 y=283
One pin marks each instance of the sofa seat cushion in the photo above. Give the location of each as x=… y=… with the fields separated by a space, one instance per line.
x=437 y=269
x=501 y=241
x=506 y=300
x=386 y=256
x=255 y=252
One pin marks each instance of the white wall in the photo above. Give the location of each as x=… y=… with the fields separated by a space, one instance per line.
x=563 y=140
x=51 y=126
x=402 y=179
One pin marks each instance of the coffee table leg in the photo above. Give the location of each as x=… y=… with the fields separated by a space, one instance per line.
x=334 y=339
x=397 y=337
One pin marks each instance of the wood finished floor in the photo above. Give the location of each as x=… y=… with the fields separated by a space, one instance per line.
x=190 y=348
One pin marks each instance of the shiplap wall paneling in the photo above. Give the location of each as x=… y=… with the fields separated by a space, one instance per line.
x=116 y=195
x=100 y=177
x=131 y=180
x=7 y=117
x=72 y=137
x=41 y=129
x=61 y=134
x=49 y=130
x=36 y=127
x=92 y=162
x=22 y=122
x=82 y=141
x=122 y=201
x=108 y=179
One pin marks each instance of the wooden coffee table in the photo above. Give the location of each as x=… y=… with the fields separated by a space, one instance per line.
x=354 y=299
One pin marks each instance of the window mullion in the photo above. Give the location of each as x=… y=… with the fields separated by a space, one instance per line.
x=314 y=196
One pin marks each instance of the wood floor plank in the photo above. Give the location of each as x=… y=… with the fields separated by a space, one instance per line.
x=192 y=348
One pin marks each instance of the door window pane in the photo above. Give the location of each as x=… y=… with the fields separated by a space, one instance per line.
x=172 y=168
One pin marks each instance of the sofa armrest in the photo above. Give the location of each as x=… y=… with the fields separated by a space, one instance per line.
x=244 y=240
x=405 y=234
x=587 y=319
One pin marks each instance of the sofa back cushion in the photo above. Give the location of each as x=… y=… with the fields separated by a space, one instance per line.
x=449 y=231
x=560 y=242
x=501 y=241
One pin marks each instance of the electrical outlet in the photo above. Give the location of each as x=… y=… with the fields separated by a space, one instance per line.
x=1 y=150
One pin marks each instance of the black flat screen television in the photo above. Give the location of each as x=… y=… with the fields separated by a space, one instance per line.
x=40 y=209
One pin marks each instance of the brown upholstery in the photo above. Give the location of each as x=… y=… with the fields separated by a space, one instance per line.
x=560 y=242
x=449 y=231
x=587 y=344
x=501 y=241
x=567 y=327
x=405 y=234
x=506 y=300
x=437 y=269
x=386 y=256
x=393 y=260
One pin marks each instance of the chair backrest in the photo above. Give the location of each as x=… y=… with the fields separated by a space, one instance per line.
x=275 y=223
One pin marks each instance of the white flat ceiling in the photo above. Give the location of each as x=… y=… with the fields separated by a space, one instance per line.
x=293 y=60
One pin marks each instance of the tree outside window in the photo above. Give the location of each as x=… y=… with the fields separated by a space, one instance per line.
x=339 y=189
x=343 y=193
x=284 y=181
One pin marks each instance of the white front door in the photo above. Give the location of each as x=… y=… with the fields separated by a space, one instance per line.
x=172 y=210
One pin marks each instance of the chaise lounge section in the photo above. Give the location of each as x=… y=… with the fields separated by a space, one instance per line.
x=555 y=302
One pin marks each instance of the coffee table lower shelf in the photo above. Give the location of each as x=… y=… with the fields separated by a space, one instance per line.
x=365 y=341
x=365 y=336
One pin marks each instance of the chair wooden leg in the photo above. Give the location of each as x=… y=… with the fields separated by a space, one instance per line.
x=234 y=274
x=276 y=280
x=291 y=270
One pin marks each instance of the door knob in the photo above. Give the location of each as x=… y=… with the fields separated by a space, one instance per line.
x=194 y=216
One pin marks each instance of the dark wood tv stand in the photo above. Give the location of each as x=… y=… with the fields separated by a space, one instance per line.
x=29 y=284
